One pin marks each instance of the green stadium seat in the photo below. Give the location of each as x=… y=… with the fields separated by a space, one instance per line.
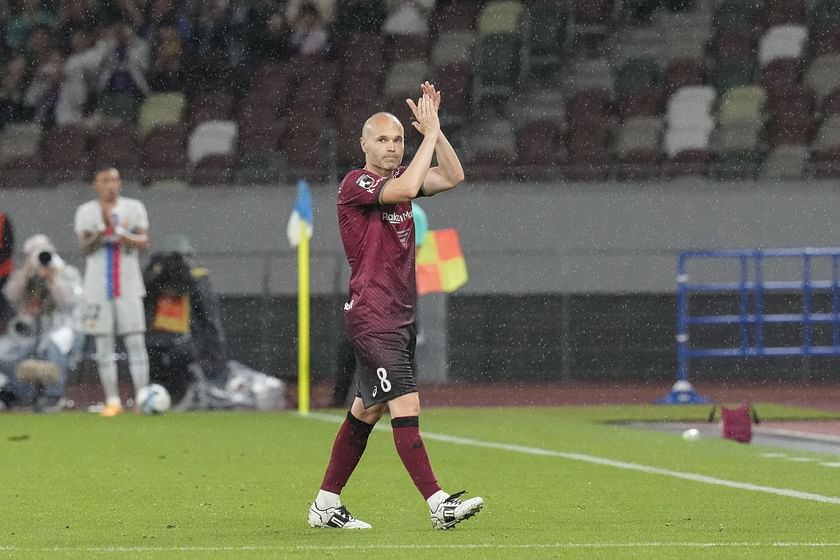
x=742 y=104
x=159 y=109
x=500 y=17
x=637 y=74
x=728 y=74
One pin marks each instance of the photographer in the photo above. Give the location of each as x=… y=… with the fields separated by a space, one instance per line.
x=185 y=327
x=45 y=292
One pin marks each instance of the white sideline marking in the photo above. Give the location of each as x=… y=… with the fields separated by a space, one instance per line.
x=362 y=547
x=786 y=492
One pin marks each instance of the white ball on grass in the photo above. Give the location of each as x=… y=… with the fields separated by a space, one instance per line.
x=153 y=399
x=691 y=434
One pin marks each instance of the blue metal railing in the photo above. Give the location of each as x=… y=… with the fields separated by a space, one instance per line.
x=751 y=319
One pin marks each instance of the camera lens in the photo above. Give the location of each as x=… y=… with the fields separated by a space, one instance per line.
x=45 y=257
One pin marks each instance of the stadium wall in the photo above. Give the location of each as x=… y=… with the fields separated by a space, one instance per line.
x=566 y=281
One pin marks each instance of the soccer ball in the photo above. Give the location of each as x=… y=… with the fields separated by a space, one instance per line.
x=691 y=434
x=153 y=399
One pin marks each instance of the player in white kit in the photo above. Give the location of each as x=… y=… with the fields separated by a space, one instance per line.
x=112 y=230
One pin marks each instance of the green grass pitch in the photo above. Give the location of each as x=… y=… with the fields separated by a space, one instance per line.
x=238 y=485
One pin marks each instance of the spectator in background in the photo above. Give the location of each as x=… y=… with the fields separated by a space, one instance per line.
x=408 y=17
x=270 y=39
x=7 y=251
x=46 y=63
x=46 y=293
x=309 y=32
x=326 y=9
x=353 y=15
x=125 y=61
x=78 y=74
x=30 y=14
x=208 y=64
x=73 y=16
x=166 y=73
x=12 y=92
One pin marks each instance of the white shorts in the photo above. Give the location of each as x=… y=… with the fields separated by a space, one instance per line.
x=118 y=316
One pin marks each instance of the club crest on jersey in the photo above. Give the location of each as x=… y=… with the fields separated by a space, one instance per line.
x=366 y=182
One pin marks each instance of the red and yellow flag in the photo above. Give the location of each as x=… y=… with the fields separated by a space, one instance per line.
x=440 y=263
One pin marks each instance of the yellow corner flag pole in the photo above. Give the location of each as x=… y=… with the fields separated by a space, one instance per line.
x=303 y=321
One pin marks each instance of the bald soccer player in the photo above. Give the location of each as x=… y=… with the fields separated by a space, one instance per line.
x=377 y=229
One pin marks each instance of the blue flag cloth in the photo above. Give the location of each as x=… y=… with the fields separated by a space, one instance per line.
x=301 y=213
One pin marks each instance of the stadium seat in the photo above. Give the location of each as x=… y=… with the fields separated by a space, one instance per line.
x=403 y=80
x=117 y=146
x=498 y=62
x=736 y=165
x=315 y=93
x=536 y=148
x=736 y=14
x=825 y=164
x=493 y=149
x=679 y=140
x=212 y=138
x=452 y=47
x=65 y=154
x=637 y=74
x=786 y=162
x=20 y=157
x=164 y=153
x=736 y=137
x=586 y=148
x=821 y=75
x=362 y=53
x=638 y=142
x=454 y=16
x=742 y=104
x=691 y=106
x=645 y=102
x=781 y=73
x=590 y=74
x=688 y=162
x=454 y=81
x=782 y=41
x=686 y=34
x=824 y=40
x=789 y=128
x=730 y=73
x=547 y=34
x=500 y=17
x=824 y=14
x=216 y=169
x=780 y=12
x=159 y=109
x=306 y=151
x=118 y=107
x=407 y=47
x=210 y=107
x=684 y=72
x=828 y=135
x=735 y=43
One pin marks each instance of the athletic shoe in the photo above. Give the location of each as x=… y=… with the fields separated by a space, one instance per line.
x=111 y=410
x=334 y=518
x=452 y=510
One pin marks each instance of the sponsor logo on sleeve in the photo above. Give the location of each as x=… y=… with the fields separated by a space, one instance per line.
x=366 y=182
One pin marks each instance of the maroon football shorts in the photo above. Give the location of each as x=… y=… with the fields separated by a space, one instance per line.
x=385 y=365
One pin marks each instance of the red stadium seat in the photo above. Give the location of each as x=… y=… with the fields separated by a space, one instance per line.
x=65 y=154
x=213 y=170
x=164 y=153
x=117 y=146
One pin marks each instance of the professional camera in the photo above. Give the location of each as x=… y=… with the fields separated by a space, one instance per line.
x=22 y=326
x=45 y=258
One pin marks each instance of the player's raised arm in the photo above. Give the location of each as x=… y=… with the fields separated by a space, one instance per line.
x=448 y=172
x=407 y=186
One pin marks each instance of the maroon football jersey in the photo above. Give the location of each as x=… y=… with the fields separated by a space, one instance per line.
x=379 y=244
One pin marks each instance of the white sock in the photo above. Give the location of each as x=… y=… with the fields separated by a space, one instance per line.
x=326 y=500
x=138 y=360
x=107 y=369
x=436 y=499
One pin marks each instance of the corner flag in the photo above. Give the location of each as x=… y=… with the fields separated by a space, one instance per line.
x=302 y=213
x=299 y=231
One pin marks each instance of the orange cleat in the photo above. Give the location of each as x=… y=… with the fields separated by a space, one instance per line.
x=111 y=410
